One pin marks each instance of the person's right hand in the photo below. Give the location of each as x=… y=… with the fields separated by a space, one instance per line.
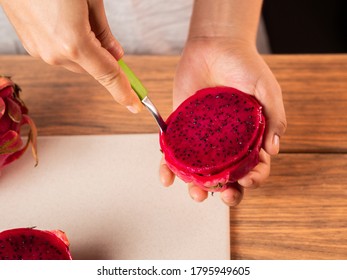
x=75 y=35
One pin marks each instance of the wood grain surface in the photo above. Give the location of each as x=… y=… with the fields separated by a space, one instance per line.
x=299 y=213
x=65 y=103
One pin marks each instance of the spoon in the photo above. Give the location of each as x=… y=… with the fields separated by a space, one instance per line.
x=142 y=92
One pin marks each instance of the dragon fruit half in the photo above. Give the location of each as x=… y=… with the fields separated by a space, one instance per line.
x=13 y=115
x=34 y=244
x=214 y=137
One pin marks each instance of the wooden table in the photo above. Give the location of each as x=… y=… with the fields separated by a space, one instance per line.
x=301 y=211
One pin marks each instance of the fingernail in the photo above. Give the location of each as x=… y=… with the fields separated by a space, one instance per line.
x=132 y=109
x=232 y=200
x=276 y=142
x=194 y=196
x=246 y=182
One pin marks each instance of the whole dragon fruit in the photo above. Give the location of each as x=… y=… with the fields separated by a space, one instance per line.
x=13 y=115
x=34 y=244
x=214 y=137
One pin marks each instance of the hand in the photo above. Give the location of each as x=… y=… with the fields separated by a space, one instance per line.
x=209 y=62
x=75 y=35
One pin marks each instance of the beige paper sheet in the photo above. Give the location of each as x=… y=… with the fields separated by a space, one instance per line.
x=104 y=192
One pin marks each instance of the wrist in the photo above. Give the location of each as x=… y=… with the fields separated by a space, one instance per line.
x=229 y=37
x=233 y=19
x=217 y=30
x=231 y=44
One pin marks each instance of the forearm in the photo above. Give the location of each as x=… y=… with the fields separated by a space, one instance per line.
x=237 y=19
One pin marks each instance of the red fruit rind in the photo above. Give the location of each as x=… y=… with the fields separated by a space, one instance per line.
x=13 y=116
x=221 y=128
x=60 y=234
x=34 y=244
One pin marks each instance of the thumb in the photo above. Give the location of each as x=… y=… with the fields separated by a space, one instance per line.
x=269 y=93
x=98 y=57
x=100 y=64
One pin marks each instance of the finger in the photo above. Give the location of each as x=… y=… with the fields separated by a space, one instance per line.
x=100 y=64
x=51 y=59
x=167 y=177
x=258 y=174
x=233 y=195
x=197 y=193
x=102 y=31
x=73 y=67
x=269 y=93
x=31 y=50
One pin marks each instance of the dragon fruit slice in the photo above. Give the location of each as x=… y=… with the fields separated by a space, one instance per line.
x=13 y=115
x=214 y=137
x=34 y=244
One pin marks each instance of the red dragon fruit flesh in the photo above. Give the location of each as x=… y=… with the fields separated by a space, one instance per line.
x=214 y=137
x=34 y=244
x=13 y=116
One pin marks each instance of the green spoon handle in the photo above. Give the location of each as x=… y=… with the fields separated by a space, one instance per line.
x=135 y=83
x=141 y=92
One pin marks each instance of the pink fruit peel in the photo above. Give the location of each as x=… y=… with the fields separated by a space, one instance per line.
x=34 y=244
x=13 y=116
x=214 y=137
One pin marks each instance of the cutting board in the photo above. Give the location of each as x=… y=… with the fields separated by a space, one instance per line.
x=104 y=192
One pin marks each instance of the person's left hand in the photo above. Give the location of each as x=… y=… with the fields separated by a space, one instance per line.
x=210 y=62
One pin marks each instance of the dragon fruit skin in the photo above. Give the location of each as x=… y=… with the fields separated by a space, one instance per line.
x=220 y=181
x=14 y=115
x=214 y=137
x=34 y=244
